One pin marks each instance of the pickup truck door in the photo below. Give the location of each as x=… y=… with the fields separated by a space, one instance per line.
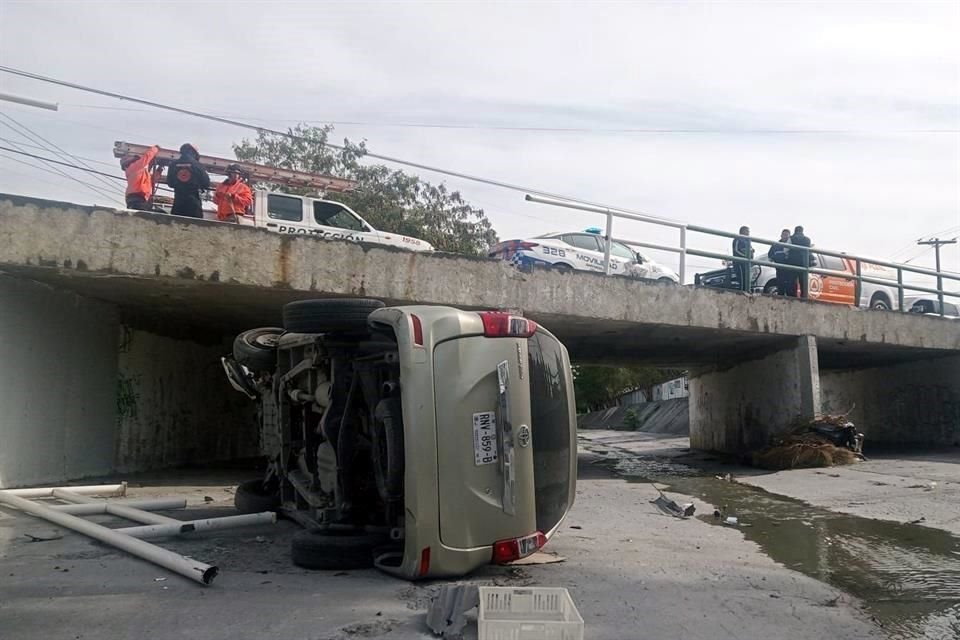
x=834 y=289
x=284 y=213
x=335 y=221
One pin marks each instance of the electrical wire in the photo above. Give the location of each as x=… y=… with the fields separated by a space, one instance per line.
x=61 y=172
x=533 y=129
x=291 y=136
x=36 y=146
x=55 y=148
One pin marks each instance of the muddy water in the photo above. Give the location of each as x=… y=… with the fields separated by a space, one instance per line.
x=907 y=575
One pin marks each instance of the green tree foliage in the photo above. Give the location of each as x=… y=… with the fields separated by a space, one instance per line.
x=599 y=387
x=389 y=199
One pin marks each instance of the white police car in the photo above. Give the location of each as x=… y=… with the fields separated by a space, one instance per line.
x=582 y=250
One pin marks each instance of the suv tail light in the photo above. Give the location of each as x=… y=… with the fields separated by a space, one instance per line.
x=499 y=324
x=515 y=548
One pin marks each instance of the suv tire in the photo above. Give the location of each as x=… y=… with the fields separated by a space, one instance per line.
x=329 y=547
x=329 y=315
x=256 y=349
x=880 y=302
x=252 y=497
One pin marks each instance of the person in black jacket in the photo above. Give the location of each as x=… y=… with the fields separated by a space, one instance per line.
x=187 y=178
x=780 y=254
x=742 y=248
x=800 y=258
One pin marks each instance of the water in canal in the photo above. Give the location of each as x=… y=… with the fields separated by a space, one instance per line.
x=908 y=576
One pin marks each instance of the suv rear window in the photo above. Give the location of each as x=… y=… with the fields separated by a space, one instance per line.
x=550 y=411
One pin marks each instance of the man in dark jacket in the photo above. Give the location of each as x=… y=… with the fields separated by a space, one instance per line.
x=800 y=258
x=742 y=248
x=187 y=178
x=779 y=254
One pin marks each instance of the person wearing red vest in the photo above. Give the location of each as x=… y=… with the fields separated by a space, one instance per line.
x=233 y=196
x=140 y=179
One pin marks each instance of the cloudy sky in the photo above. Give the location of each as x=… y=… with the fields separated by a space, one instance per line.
x=840 y=116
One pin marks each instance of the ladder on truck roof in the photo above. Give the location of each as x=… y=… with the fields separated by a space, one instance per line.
x=255 y=172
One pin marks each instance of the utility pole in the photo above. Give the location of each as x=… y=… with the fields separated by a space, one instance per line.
x=936 y=243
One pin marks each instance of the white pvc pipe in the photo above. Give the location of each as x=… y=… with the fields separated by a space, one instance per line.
x=198 y=571
x=189 y=526
x=89 y=490
x=147 y=504
x=115 y=509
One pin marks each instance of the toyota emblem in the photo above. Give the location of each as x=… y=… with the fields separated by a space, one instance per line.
x=523 y=435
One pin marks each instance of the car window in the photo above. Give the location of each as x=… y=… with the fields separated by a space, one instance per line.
x=831 y=262
x=582 y=241
x=550 y=429
x=622 y=251
x=950 y=309
x=289 y=208
x=332 y=214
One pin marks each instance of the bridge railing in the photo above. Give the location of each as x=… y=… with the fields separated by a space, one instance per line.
x=683 y=249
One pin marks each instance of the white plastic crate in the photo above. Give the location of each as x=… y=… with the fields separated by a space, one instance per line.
x=529 y=613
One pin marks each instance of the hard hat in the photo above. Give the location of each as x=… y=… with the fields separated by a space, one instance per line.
x=187 y=147
x=234 y=168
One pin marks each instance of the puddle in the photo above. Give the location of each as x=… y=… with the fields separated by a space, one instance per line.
x=908 y=576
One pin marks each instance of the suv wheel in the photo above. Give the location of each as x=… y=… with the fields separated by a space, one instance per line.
x=329 y=315
x=332 y=547
x=256 y=349
x=880 y=302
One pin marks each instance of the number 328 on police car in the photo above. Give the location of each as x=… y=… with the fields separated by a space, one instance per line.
x=484 y=438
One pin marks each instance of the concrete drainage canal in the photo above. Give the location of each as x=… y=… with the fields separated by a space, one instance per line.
x=907 y=575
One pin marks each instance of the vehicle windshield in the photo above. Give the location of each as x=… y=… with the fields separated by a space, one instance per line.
x=550 y=410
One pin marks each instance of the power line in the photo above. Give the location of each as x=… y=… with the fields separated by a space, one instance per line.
x=41 y=148
x=39 y=138
x=51 y=162
x=244 y=125
x=65 y=164
x=534 y=129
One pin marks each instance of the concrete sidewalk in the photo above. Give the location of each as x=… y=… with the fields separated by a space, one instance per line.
x=633 y=573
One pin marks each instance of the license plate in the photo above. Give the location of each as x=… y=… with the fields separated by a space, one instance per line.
x=484 y=438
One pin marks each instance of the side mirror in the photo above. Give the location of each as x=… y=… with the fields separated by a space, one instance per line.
x=639 y=258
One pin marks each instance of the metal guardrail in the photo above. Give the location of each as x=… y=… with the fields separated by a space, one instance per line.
x=683 y=249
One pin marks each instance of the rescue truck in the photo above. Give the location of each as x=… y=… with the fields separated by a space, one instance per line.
x=286 y=212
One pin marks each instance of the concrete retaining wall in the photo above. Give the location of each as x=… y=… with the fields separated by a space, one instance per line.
x=738 y=409
x=916 y=403
x=175 y=405
x=662 y=416
x=58 y=371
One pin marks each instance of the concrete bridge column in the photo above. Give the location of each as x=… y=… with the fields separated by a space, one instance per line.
x=737 y=409
x=908 y=404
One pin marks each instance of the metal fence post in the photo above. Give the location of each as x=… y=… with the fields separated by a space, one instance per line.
x=606 y=248
x=900 y=288
x=858 y=288
x=683 y=255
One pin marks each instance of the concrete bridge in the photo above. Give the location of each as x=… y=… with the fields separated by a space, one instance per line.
x=112 y=324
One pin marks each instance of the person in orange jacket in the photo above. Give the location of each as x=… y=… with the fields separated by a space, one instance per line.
x=140 y=179
x=233 y=196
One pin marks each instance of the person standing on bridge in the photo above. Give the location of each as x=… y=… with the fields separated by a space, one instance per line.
x=800 y=257
x=140 y=179
x=743 y=248
x=233 y=196
x=780 y=254
x=188 y=178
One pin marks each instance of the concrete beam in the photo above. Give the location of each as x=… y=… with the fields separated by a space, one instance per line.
x=206 y=274
x=738 y=409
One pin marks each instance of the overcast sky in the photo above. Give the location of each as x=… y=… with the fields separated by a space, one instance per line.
x=840 y=116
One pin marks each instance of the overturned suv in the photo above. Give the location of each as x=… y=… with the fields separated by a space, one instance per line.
x=426 y=441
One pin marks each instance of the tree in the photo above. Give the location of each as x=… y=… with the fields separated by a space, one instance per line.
x=599 y=387
x=389 y=199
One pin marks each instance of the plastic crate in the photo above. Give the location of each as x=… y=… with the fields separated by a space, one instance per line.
x=530 y=613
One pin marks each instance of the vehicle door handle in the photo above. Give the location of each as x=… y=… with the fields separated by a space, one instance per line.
x=271 y=224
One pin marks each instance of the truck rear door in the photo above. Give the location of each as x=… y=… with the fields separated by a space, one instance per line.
x=285 y=214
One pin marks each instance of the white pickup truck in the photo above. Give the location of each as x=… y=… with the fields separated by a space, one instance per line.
x=303 y=215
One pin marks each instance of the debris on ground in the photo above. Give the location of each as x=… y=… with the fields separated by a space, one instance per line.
x=824 y=441
x=44 y=535
x=671 y=508
x=732 y=521
x=447 y=614
x=540 y=557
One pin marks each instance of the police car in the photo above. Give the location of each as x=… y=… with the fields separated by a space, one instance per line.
x=581 y=250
